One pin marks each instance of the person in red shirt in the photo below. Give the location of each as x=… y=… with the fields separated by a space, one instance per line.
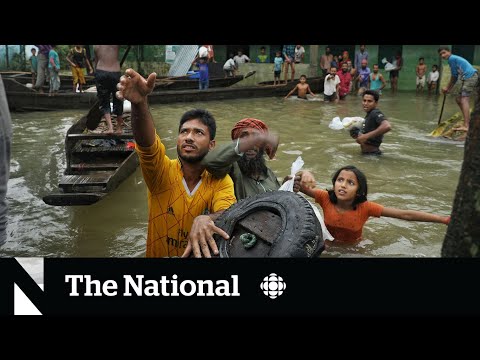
x=346 y=208
x=345 y=81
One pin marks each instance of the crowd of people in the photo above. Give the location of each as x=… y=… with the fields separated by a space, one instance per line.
x=187 y=194
x=206 y=181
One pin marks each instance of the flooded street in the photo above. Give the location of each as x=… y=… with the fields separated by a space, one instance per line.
x=416 y=172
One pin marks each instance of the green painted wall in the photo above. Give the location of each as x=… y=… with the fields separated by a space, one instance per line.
x=220 y=53
x=154 y=56
x=410 y=54
x=264 y=72
x=255 y=51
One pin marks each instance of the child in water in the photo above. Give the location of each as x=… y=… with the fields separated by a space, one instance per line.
x=302 y=87
x=346 y=208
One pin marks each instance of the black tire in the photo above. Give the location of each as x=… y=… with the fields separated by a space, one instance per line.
x=301 y=232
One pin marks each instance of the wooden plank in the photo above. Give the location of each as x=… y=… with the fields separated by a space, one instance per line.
x=91 y=136
x=263 y=224
x=119 y=148
x=70 y=182
x=72 y=199
x=94 y=167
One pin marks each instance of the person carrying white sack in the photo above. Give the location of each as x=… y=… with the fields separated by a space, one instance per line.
x=367 y=132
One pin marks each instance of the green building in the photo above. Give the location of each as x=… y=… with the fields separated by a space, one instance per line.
x=148 y=58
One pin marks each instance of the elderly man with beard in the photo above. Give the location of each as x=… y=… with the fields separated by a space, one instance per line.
x=243 y=159
x=183 y=198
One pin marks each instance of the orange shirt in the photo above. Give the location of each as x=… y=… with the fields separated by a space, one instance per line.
x=346 y=226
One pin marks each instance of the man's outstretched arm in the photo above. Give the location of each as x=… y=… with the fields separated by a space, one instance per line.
x=134 y=88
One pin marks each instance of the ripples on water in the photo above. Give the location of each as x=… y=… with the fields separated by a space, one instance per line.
x=416 y=172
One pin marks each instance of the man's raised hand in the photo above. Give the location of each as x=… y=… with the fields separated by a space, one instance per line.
x=134 y=87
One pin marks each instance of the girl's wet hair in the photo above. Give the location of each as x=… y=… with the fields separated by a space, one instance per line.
x=362 y=186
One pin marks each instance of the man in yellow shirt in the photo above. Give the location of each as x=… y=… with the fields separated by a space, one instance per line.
x=183 y=198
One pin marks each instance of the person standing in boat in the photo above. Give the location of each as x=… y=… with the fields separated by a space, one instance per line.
x=461 y=69
x=183 y=197
x=107 y=76
x=42 y=66
x=34 y=65
x=202 y=54
x=77 y=57
x=54 y=71
x=277 y=68
x=289 y=56
x=230 y=66
x=5 y=140
x=203 y=73
x=211 y=53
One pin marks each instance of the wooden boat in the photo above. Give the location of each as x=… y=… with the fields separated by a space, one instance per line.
x=185 y=83
x=66 y=81
x=20 y=98
x=264 y=90
x=96 y=163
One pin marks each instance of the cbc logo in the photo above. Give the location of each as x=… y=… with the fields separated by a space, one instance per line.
x=273 y=286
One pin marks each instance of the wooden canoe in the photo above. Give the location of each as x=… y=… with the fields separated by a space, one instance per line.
x=20 y=98
x=96 y=164
x=66 y=81
x=185 y=83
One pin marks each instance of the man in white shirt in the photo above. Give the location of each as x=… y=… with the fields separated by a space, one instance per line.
x=229 y=67
x=241 y=58
x=331 y=86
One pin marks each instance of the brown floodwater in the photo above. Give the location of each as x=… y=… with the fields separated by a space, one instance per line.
x=416 y=172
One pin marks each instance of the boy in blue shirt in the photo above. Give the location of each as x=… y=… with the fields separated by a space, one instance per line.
x=34 y=62
x=277 y=68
